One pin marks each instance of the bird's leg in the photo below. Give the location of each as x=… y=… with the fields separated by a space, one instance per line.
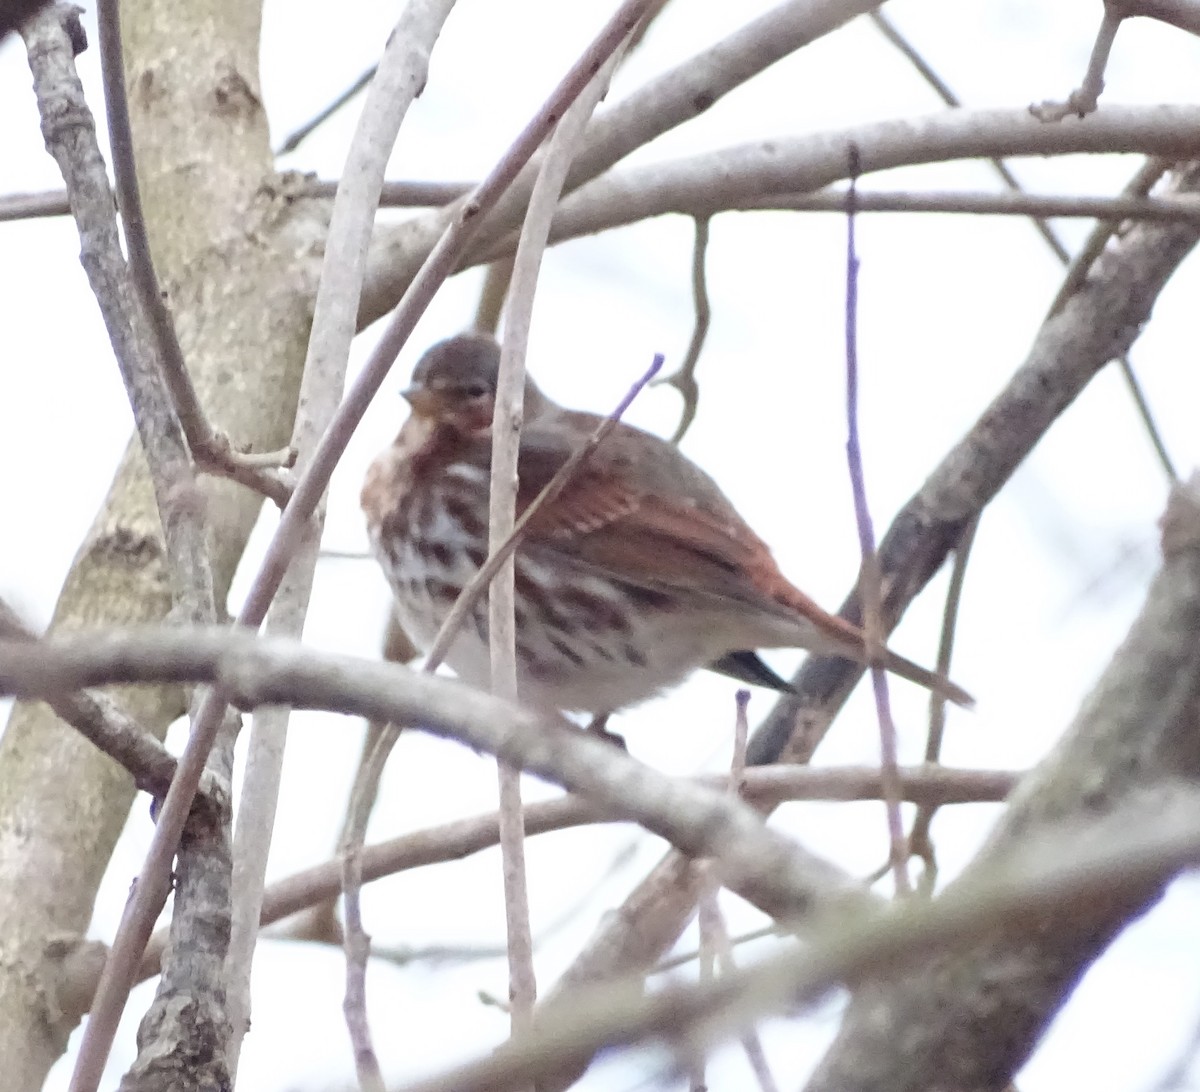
x=599 y=729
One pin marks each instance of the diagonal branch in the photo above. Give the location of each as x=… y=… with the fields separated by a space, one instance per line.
x=975 y=1015
x=401 y=75
x=210 y=450
x=1096 y=324
x=662 y=104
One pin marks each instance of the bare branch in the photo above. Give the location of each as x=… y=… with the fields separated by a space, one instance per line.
x=402 y=72
x=1133 y=744
x=25 y=206
x=506 y=438
x=760 y=864
x=920 y=844
x=52 y=39
x=1184 y=14
x=1048 y=880
x=211 y=451
x=101 y=721
x=32 y=206
x=202 y=888
x=870 y=581
x=763 y=786
x=658 y=106
x=683 y=379
x=1084 y=99
x=726 y=178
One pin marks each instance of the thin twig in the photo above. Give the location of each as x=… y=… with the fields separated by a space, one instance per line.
x=1147 y=175
x=33 y=206
x=714 y=936
x=298 y=135
x=506 y=434
x=211 y=451
x=398 y=194
x=356 y=941
x=707 y=924
x=680 y=959
x=751 y=1042
x=1084 y=99
x=943 y=91
x=871 y=577
x=684 y=378
x=920 y=844
x=129 y=203
x=1035 y=206
x=1044 y=229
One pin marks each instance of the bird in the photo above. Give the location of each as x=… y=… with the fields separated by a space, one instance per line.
x=638 y=573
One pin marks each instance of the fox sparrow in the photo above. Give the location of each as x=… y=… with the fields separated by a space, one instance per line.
x=639 y=572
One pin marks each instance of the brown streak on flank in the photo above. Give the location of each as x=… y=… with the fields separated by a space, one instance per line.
x=648 y=598
x=595 y=611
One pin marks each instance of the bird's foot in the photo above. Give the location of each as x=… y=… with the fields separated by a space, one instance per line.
x=599 y=729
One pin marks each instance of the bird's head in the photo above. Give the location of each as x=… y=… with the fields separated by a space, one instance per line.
x=454 y=384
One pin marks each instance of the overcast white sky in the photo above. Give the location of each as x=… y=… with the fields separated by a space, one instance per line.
x=948 y=309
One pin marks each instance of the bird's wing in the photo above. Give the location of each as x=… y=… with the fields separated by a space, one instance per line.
x=643 y=514
x=615 y=513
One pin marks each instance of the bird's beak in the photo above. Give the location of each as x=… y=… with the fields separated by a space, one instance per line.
x=425 y=403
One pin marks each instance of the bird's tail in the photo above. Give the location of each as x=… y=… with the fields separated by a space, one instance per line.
x=831 y=633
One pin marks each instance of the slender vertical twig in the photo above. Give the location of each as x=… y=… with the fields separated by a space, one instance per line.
x=870 y=580
x=402 y=71
x=920 y=843
x=684 y=378
x=506 y=434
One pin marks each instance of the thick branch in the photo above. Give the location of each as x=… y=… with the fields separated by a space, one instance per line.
x=763 y=866
x=1141 y=846
x=704 y=184
x=1096 y=324
x=969 y=1020
x=241 y=301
